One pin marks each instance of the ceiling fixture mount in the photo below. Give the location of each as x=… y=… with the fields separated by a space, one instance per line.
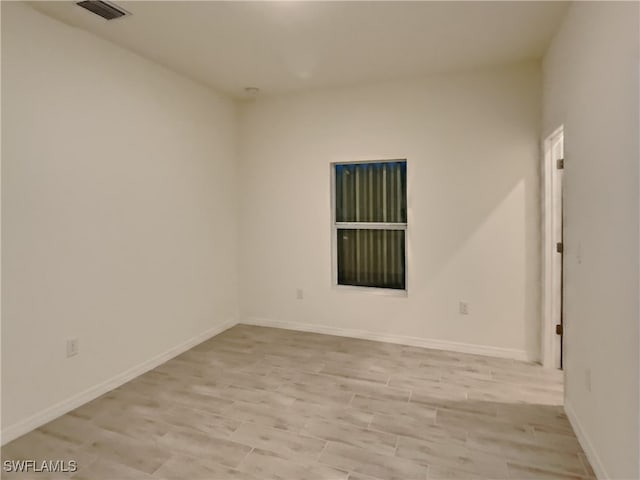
x=106 y=10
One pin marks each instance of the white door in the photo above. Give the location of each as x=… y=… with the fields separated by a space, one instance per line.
x=554 y=171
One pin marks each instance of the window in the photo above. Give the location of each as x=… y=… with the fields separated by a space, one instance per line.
x=370 y=224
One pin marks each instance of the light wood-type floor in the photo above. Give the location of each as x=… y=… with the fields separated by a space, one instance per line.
x=259 y=403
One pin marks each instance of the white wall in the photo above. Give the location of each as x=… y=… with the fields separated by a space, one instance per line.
x=472 y=144
x=591 y=86
x=118 y=210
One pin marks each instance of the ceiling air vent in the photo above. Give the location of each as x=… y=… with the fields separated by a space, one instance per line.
x=106 y=10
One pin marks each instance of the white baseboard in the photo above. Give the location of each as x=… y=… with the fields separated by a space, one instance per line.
x=585 y=443
x=392 y=338
x=51 y=413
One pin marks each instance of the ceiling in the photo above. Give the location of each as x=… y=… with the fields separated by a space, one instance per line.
x=294 y=45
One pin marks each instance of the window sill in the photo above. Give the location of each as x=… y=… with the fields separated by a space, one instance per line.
x=384 y=292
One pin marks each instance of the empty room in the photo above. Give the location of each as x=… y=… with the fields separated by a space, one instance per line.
x=320 y=240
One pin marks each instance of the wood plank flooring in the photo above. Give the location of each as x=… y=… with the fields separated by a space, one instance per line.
x=259 y=403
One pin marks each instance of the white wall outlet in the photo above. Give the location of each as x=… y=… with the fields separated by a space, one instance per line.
x=73 y=347
x=587 y=379
x=579 y=253
x=464 y=308
x=299 y=294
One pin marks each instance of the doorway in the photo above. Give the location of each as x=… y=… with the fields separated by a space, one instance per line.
x=553 y=248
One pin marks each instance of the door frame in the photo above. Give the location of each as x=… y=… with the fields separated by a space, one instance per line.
x=552 y=260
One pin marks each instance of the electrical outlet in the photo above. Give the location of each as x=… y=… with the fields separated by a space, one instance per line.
x=73 y=347
x=587 y=379
x=464 y=308
x=299 y=294
x=579 y=253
